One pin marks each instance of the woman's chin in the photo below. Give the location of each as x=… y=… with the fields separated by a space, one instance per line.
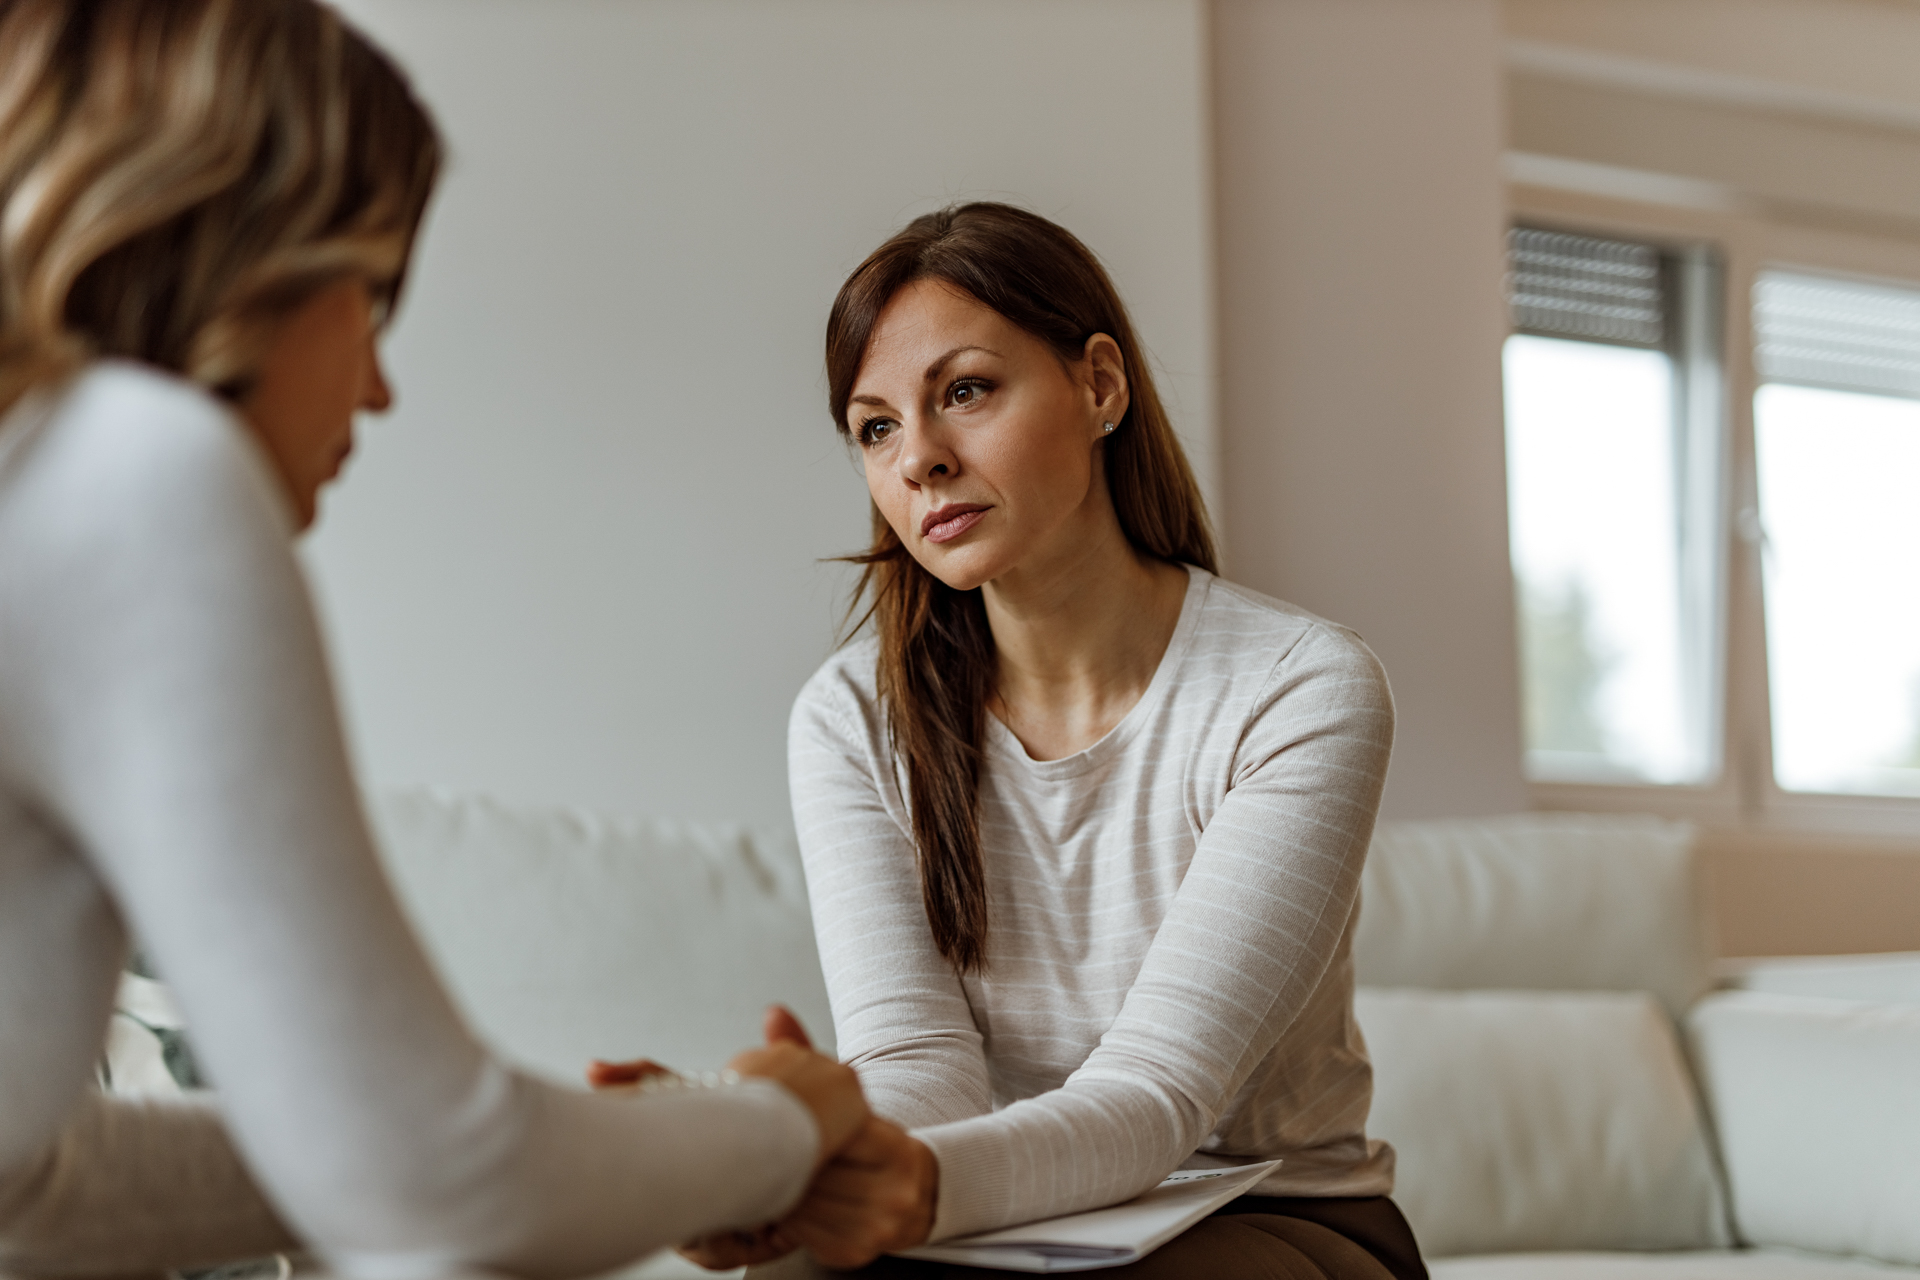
x=961 y=568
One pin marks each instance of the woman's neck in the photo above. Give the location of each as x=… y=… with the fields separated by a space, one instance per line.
x=1078 y=641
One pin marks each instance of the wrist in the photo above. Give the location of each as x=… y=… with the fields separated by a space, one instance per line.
x=928 y=1182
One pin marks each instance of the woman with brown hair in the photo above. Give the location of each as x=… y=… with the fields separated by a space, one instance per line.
x=206 y=212
x=1083 y=823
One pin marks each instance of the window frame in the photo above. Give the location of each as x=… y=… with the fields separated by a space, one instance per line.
x=1744 y=794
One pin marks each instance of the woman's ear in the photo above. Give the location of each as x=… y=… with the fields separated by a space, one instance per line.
x=1107 y=379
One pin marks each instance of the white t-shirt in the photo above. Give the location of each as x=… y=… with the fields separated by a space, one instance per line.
x=1170 y=921
x=171 y=763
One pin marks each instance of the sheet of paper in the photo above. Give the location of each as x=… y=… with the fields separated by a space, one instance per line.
x=1107 y=1237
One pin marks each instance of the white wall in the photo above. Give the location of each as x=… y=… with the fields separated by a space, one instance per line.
x=1361 y=223
x=579 y=562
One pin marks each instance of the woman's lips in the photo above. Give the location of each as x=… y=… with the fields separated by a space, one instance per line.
x=950 y=522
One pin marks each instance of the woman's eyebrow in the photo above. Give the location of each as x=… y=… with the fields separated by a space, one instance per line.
x=933 y=370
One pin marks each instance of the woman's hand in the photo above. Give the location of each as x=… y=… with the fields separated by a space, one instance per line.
x=622 y=1075
x=726 y=1250
x=876 y=1196
x=825 y=1087
x=828 y=1088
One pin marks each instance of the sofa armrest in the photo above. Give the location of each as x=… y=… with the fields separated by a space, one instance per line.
x=1818 y=1112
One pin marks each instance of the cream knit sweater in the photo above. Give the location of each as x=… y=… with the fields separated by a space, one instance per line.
x=1171 y=914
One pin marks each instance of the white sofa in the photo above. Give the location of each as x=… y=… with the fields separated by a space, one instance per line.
x=1569 y=1096
x=1523 y=982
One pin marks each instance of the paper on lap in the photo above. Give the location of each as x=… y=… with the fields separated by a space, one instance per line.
x=1109 y=1237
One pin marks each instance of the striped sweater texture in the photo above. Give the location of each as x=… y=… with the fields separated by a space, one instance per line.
x=1171 y=916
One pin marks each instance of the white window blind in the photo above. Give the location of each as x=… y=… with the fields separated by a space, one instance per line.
x=1844 y=335
x=1584 y=287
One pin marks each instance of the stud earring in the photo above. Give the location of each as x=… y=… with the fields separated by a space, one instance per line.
x=1109 y=428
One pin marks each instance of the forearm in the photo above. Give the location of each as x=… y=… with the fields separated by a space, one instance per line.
x=598 y=1181
x=900 y=1016
x=1089 y=1144
x=915 y=1088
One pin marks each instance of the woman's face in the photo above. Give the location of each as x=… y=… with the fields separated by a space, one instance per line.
x=321 y=370
x=981 y=445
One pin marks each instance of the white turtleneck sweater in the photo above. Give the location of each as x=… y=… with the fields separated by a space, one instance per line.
x=171 y=764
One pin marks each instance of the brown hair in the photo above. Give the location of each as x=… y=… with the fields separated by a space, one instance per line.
x=177 y=175
x=936 y=663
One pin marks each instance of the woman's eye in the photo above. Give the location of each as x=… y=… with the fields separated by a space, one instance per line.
x=874 y=430
x=966 y=393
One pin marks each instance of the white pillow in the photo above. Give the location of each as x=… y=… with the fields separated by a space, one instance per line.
x=1540 y=1121
x=1888 y=978
x=1536 y=902
x=567 y=936
x=1694 y=1264
x=1817 y=1103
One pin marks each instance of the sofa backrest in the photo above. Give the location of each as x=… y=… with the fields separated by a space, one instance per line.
x=1521 y=977
x=567 y=936
x=1563 y=902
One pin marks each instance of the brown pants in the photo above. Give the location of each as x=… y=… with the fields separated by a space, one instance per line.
x=1254 y=1238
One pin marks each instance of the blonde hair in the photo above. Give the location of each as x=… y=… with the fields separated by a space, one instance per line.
x=178 y=175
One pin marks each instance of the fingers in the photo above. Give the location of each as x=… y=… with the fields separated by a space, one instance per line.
x=877 y=1196
x=781 y=1027
x=844 y=1245
x=611 y=1075
x=878 y=1144
x=830 y=1090
x=845 y=1235
x=727 y=1250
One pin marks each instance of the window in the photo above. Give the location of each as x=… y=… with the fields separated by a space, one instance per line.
x=1836 y=422
x=1714 y=557
x=1613 y=476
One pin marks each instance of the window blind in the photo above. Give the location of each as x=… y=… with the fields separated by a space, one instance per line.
x=1818 y=331
x=1568 y=286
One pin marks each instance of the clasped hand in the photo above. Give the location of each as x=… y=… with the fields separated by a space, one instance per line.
x=873 y=1185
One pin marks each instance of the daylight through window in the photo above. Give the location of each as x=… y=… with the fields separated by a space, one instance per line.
x=1604 y=491
x=1837 y=441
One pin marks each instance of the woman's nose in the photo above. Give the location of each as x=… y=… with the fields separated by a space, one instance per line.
x=376 y=396
x=927 y=456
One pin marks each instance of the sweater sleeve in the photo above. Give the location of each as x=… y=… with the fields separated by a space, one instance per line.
x=899 y=1013
x=167 y=703
x=1250 y=933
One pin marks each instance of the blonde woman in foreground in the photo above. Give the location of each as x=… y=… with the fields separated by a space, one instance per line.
x=206 y=210
x=1083 y=822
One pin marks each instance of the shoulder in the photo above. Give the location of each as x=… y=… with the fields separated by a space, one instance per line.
x=124 y=450
x=1240 y=621
x=841 y=699
x=1296 y=655
x=132 y=496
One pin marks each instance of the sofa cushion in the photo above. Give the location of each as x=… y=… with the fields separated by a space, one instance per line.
x=567 y=936
x=1705 y=1264
x=1565 y=902
x=1817 y=1103
x=1889 y=978
x=1540 y=1120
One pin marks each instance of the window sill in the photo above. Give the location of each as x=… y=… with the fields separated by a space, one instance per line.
x=1893 y=821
